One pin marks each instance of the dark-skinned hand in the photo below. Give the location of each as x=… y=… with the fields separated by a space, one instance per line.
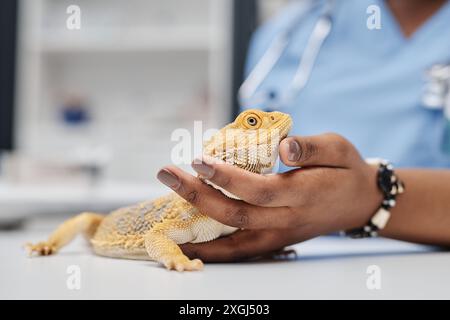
x=330 y=188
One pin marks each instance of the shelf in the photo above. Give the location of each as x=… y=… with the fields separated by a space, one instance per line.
x=29 y=199
x=145 y=68
x=187 y=39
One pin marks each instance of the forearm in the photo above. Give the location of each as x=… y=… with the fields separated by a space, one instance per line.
x=422 y=213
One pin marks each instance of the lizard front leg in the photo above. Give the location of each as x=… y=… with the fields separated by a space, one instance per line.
x=85 y=223
x=162 y=248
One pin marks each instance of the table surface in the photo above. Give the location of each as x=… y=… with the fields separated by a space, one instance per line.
x=326 y=268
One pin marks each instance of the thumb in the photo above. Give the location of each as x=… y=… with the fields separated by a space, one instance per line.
x=329 y=150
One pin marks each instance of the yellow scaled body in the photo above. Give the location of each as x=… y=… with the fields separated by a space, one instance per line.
x=152 y=230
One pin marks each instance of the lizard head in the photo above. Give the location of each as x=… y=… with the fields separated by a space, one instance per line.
x=253 y=120
x=251 y=141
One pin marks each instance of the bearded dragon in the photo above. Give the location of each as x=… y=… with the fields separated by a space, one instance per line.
x=152 y=230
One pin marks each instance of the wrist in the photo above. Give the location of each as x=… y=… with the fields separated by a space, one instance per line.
x=368 y=196
x=383 y=187
x=376 y=196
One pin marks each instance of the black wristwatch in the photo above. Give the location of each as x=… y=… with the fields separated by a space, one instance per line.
x=390 y=186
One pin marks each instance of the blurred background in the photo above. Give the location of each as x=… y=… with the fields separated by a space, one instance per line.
x=86 y=115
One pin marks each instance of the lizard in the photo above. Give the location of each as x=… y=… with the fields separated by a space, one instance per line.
x=153 y=230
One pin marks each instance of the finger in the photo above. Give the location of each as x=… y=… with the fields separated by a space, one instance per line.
x=260 y=190
x=330 y=150
x=212 y=202
x=239 y=246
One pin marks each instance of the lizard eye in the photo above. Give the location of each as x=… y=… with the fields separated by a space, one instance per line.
x=252 y=121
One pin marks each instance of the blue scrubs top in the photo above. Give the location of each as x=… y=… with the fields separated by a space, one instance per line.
x=366 y=85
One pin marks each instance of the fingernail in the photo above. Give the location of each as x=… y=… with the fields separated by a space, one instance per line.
x=169 y=179
x=294 y=151
x=205 y=170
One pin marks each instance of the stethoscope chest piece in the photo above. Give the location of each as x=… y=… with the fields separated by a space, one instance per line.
x=437 y=89
x=437 y=96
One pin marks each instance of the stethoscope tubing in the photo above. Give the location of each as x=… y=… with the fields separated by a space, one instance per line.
x=248 y=92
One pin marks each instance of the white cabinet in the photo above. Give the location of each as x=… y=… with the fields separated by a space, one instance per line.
x=141 y=69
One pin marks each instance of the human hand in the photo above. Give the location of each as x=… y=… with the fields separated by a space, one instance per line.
x=335 y=189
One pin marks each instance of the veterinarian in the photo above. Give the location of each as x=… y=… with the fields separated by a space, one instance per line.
x=373 y=72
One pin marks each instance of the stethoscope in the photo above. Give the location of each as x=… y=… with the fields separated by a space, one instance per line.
x=436 y=93
x=436 y=96
x=248 y=94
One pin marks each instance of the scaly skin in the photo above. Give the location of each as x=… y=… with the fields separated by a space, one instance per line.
x=152 y=230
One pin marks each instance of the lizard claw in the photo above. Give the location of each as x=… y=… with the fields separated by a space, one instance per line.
x=182 y=264
x=41 y=248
